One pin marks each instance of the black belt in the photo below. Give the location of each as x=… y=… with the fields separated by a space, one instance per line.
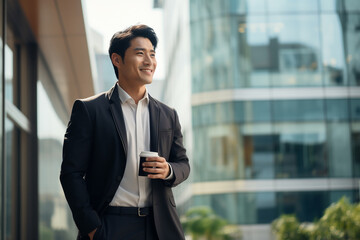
x=141 y=212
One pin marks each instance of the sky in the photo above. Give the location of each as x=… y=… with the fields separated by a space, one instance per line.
x=109 y=16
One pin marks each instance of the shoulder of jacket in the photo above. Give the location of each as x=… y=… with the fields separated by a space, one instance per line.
x=162 y=105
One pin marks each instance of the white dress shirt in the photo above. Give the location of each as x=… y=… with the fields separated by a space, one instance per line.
x=134 y=190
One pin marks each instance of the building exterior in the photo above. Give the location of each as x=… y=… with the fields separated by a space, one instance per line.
x=45 y=66
x=177 y=84
x=275 y=105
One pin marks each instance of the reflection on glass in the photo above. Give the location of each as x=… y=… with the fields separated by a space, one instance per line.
x=355 y=134
x=300 y=150
x=339 y=150
x=351 y=5
x=286 y=6
x=298 y=110
x=10 y=162
x=213 y=58
x=355 y=109
x=9 y=73
x=259 y=156
x=254 y=51
x=218 y=153
x=264 y=207
x=351 y=26
x=295 y=48
x=355 y=139
x=337 y=110
x=333 y=55
x=331 y=5
x=54 y=215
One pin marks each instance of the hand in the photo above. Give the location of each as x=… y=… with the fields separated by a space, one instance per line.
x=91 y=234
x=157 y=167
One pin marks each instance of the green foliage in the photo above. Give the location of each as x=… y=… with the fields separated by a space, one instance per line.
x=288 y=227
x=341 y=221
x=202 y=223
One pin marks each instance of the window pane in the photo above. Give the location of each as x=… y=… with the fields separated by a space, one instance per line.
x=254 y=46
x=300 y=150
x=218 y=153
x=351 y=26
x=331 y=5
x=54 y=214
x=11 y=175
x=355 y=140
x=333 y=53
x=264 y=207
x=298 y=110
x=9 y=73
x=339 y=150
x=351 y=5
x=259 y=156
x=212 y=54
x=295 y=50
x=287 y=6
x=337 y=110
x=355 y=109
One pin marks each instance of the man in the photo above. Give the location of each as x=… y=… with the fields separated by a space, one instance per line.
x=105 y=135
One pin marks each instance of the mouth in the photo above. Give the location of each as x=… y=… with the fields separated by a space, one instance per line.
x=146 y=70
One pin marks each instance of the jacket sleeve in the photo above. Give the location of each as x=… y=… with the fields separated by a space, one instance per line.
x=76 y=157
x=178 y=158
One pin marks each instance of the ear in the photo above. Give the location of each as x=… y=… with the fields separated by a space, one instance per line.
x=116 y=59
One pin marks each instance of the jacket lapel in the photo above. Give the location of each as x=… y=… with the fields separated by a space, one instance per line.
x=154 y=124
x=118 y=117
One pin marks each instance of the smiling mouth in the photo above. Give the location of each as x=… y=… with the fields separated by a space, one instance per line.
x=146 y=70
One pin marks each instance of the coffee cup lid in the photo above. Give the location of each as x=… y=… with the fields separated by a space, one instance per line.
x=148 y=154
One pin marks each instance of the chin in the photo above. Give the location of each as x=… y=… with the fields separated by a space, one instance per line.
x=148 y=81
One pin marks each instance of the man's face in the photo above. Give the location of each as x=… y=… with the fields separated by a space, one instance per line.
x=139 y=62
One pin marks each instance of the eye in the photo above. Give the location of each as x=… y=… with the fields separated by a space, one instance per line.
x=139 y=53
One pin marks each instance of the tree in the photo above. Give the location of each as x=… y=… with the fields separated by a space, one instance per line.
x=288 y=227
x=202 y=223
x=341 y=221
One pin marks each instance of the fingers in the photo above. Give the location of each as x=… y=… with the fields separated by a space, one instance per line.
x=157 y=167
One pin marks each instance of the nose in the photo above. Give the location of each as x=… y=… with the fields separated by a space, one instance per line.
x=148 y=60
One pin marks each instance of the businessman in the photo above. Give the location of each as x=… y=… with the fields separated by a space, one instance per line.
x=105 y=135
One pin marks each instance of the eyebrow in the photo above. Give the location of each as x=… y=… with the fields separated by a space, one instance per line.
x=143 y=49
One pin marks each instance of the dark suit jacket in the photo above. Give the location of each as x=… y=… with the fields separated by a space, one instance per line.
x=94 y=158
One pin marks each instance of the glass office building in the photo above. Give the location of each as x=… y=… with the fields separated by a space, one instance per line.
x=275 y=107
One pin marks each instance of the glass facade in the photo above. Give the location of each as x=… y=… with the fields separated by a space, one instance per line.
x=274 y=43
x=32 y=112
x=55 y=219
x=263 y=207
x=276 y=84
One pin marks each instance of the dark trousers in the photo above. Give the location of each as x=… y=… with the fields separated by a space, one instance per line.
x=126 y=227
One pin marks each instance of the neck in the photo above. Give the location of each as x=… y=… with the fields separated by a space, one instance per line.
x=136 y=92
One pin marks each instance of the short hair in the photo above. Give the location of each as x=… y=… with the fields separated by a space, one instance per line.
x=120 y=41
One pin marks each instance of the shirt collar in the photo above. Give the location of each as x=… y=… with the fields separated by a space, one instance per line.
x=124 y=96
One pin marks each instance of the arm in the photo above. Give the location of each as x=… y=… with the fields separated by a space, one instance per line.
x=178 y=159
x=176 y=169
x=76 y=157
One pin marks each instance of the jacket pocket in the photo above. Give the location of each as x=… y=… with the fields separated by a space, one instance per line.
x=165 y=140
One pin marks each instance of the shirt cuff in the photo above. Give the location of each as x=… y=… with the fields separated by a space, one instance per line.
x=171 y=175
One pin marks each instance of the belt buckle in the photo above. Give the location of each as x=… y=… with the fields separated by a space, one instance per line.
x=139 y=213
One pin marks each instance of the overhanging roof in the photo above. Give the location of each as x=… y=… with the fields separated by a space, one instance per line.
x=60 y=30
